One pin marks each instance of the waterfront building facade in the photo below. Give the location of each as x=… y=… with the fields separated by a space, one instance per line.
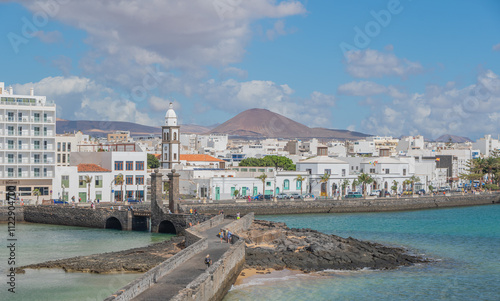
x=27 y=143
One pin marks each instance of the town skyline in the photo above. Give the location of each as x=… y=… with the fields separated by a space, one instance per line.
x=333 y=65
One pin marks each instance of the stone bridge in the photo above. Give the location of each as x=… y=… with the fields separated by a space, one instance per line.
x=154 y=219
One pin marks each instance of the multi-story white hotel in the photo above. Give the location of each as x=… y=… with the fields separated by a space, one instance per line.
x=27 y=143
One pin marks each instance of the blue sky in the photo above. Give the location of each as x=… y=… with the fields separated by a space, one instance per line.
x=379 y=67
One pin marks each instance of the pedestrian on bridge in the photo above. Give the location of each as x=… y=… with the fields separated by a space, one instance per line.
x=208 y=261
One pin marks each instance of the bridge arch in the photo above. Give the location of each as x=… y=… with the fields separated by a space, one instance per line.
x=113 y=223
x=167 y=227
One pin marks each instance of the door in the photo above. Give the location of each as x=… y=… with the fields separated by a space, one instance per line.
x=277 y=190
x=244 y=191
x=217 y=193
x=255 y=191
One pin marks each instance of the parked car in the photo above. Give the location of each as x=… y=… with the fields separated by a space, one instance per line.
x=408 y=192
x=421 y=192
x=353 y=195
x=133 y=201
x=375 y=192
x=295 y=196
x=282 y=196
x=56 y=201
x=444 y=189
x=308 y=196
x=262 y=197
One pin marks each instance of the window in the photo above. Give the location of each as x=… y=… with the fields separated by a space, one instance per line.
x=404 y=172
x=298 y=184
x=10 y=144
x=129 y=165
x=129 y=180
x=98 y=195
x=268 y=183
x=175 y=156
x=45 y=131
x=58 y=146
x=10 y=116
x=45 y=172
x=253 y=169
x=175 y=135
x=19 y=158
x=357 y=167
x=139 y=165
x=45 y=158
x=37 y=130
x=286 y=185
x=262 y=169
x=64 y=146
x=10 y=129
x=58 y=158
x=10 y=172
x=139 y=180
x=372 y=170
x=36 y=158
x=343 y=172
x=64 y=158
x=20 y=131
x=118 y=165
x=81 y=182
x=69 y=146
x=45 y=145
x=328 y=171
x=45 y=117
x=10 y=158
x=19 y=116
x=98 y=181
x=37 y=117
x=19 y=172
x=43 y=190
x=65 y=181
x=244 y=169
x=37 y=172
x=387 y=171
x=19 y=144
x=36 y=144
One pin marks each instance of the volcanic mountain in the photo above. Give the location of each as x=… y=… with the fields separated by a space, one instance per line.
x=261 y=123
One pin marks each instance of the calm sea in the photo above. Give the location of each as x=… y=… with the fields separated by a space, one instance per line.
x=465 y=242
x=37 y=243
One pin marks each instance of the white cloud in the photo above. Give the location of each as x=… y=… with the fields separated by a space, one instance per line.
x=372 y=63
x=496 y=47
x=469 y=111
x=277 y=30
x=361 y=88
x=49 y=37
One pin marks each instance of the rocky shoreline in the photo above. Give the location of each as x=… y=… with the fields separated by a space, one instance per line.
x=274 y=245
x=137 y=260
x=269 y=245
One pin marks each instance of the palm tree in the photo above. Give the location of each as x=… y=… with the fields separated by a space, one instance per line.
x=324 y=179
x=406 y=183
x=36 y=193
x=300 y=179
x=119 y=181
x=413 y=179
x=394 y=187
x=365 y=179
x=87 y=180
x=263 y=178
x=344 y=185
x=355 y=184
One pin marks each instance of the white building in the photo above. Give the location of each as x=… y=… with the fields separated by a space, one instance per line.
x=486 y=145
x=27 y=143
x=170 y=140
x=362 y=147
x=129 y=166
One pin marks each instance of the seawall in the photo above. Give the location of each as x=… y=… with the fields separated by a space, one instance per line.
x=347 y=205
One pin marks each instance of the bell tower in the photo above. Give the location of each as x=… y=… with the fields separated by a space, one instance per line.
x=170 y=145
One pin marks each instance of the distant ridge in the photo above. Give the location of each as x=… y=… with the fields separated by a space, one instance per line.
x=454 y=139
x=102 y=128
x=262 y=123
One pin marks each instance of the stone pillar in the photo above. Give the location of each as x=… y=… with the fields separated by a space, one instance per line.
x=173 y=191
x=156 y=190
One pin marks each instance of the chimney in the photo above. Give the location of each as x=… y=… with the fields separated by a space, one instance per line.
x=32 y=91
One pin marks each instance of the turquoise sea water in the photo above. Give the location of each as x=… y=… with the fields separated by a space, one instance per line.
x=465 y=242
x=37 y=243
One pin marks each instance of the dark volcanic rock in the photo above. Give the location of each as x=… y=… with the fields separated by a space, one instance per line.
x=137 y=260
x=310 y=250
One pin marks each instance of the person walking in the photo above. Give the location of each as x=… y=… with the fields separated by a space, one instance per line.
x=208 y=261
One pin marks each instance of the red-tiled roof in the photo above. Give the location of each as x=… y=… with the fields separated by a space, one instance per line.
x=158 y=156
x=91 y=168
x=198 y=158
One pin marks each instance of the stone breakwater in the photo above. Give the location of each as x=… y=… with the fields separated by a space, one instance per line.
x=346 y=205
x=274 y=245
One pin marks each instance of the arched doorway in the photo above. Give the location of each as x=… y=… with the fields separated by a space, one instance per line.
x=113 y=223
x=167 y=227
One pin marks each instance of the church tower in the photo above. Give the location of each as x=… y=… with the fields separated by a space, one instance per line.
x=170 y=140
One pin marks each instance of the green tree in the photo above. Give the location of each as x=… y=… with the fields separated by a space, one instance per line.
x=278 y=162
x=324 y=184
x=414 y=179
x=355 y=184
x=431 y=188
x=406 y=183
x=153 y=161
x=119 y=181
x=236 y=192
x=88 y=179
x=300 y=179
x=394 y=187
x=263 y=178
x=344 y=185
x=365 y=179
x=36 y=192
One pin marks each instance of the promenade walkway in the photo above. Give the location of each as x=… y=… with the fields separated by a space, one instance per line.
x=169 y=285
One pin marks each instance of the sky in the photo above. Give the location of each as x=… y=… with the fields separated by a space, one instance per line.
x=379 y=67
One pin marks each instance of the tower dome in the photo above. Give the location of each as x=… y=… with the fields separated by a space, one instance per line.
x=170 y=116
